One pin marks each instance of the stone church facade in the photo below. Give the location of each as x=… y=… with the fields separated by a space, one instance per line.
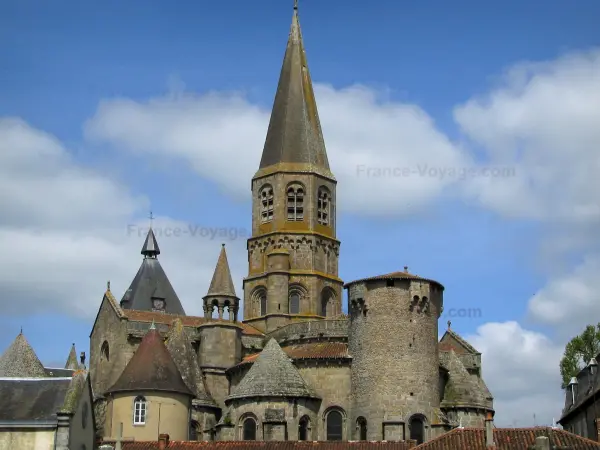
x=291 y=365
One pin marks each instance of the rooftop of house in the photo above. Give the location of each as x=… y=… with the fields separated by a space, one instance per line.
x=272 y=445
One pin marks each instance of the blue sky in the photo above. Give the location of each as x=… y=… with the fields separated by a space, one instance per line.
x=60 y=60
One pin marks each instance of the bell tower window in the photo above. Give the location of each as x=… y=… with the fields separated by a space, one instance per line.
x=266 y=204
x=295 y=203
x=323 y=206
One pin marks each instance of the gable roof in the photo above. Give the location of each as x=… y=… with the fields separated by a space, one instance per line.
x=151 y=368
x=453 y=341
x=507 y=439
x=272 y=375
x=19 y=360
x=222 y=283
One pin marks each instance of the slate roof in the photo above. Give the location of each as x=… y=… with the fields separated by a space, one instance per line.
x=272 y=375
x=32 y=399
x=151 y=281
x=508 y=439
x=19 y=360
x=186 y=361
x=151 y=368
x=315 y=350
x=222 y=283
x=294 y=134
x=270 y=445
x=401 y=275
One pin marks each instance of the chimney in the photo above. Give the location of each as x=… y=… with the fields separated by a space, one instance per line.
x=489 y=430
x=542 y=443
x=163 y=441
x=82 y=358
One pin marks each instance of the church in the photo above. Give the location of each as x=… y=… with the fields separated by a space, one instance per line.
x=290 y=365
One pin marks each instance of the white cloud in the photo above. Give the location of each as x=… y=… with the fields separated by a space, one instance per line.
x=543 y=119
x=367 y=138
x=65 y=231
x=520 y=368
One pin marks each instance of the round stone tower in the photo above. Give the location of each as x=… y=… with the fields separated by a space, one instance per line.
x=393 y=340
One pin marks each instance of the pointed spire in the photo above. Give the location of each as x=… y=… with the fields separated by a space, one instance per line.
x=151 y=368
x=222 y=283
x=150 y=248
x=153 y=325
x=294 y=134
x=272 y=375
x=19 y=360
x=72 y=362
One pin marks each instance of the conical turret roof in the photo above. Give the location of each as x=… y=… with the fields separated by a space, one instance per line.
x=185 y=359
x=150 y=248
x=72 y=362
x=294 y=134
x=151 y=369
x=222 y=283
x=272 y=375
x=20 y=361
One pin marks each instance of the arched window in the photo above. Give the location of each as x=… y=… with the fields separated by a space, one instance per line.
x=417 y=429
x=295 y=302
x=263 y=303
x=326 y=303
x=266 y=203
x=303 y=429
x=334 y=426
x=323 y=206
x=249 y=429
x=361 y=425
x=295 y=203
x=104 y=353
x=139 y=411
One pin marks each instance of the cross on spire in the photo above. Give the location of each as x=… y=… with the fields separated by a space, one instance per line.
x=151 y=217
x=296 y=4
x=449 y=323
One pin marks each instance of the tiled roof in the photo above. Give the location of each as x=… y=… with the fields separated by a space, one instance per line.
x=19 y=360
x=400 y=275
x=272 y=445
x=151 y=368
x=188 y=321
x=32 y=399
x=272 y=375
x=318 y=350
x=507 y=439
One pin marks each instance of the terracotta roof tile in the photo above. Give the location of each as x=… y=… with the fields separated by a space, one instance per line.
x=272 y=445
x=507 y=439
x=319 y=350
x=188 y=321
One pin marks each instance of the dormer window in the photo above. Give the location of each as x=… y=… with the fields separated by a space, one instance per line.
x=266 y=204
x=323 y=206
x=158 y=304
x=295 y=203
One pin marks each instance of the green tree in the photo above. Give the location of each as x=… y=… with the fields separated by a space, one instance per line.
x=578 y=352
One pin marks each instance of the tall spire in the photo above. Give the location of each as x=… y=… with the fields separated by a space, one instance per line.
x=222 y=283
x=294 y=135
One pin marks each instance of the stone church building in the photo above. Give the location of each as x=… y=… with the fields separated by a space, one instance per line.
x=291 y=365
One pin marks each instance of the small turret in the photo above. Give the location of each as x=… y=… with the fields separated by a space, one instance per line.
x=221 y=293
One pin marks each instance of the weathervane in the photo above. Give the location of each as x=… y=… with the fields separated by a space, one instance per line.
x=151 y=217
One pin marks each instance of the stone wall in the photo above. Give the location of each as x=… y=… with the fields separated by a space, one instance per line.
x=314 y=329
x=27 y=439
x=393 y=336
